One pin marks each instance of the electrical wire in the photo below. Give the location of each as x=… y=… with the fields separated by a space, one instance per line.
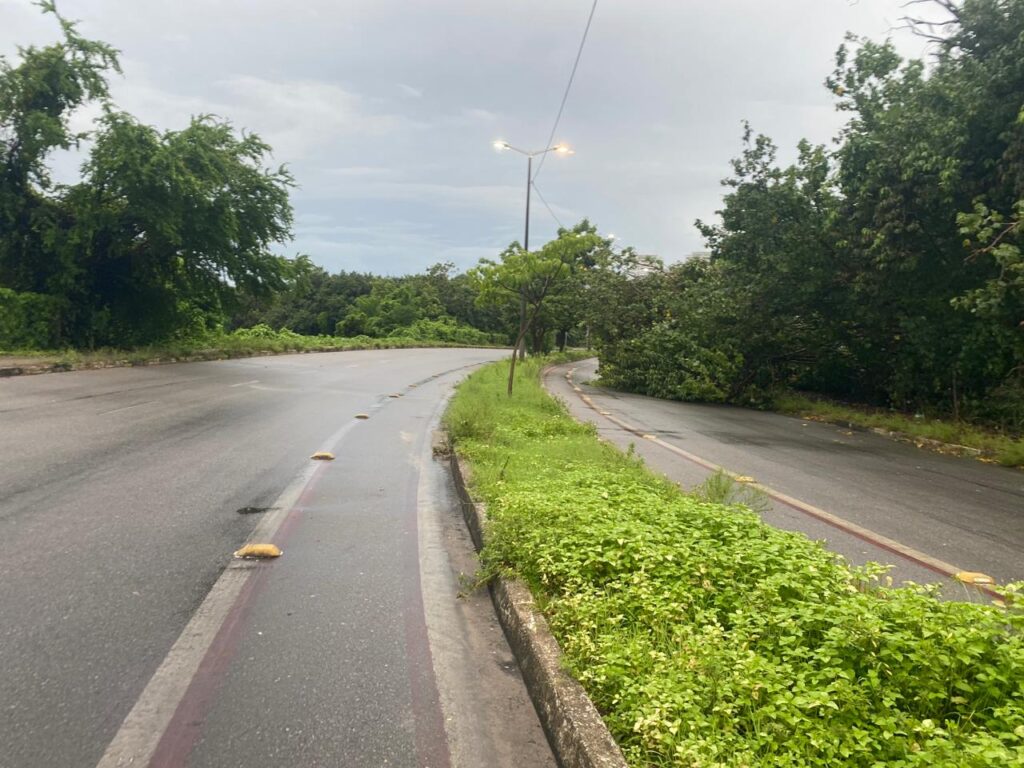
x=553 y=216
x=568 y=87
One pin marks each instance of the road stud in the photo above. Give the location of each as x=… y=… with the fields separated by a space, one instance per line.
x=973 y=577
x=395 y=395
x=744 y=479
x=362 y=416
x=258 y=551
x=322 y=456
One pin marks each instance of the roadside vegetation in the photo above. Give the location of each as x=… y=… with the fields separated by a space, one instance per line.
x=994 y=446
x=707 y=638
x=244 y=342
x=885 y=270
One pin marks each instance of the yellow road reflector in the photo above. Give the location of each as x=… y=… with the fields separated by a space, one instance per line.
x=251 y=551
x=973 y=577
x=323 y=456
x=744 y=479
x=605 y=413
x=362 y=416
x=650 y=437
x=394 y=395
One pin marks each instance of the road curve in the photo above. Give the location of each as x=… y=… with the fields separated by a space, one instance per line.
x=123 y=493
x=955 y=510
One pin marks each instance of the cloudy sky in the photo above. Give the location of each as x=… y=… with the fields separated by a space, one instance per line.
x=385 y=110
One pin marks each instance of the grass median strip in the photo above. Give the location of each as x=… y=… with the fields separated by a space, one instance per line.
x=707 y=638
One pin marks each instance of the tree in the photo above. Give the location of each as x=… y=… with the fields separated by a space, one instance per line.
x=530 y=276
x=37 y=97
x=166 y=224
x=165 y=231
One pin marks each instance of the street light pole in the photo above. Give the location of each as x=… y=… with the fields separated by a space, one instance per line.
x=561 y=149
x=526 y=247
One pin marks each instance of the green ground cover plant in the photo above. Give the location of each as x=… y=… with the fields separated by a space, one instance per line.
x=1008 y=450
x=707 y=638
x=245 y=342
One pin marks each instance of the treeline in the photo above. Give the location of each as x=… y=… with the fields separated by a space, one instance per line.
x=163 y=233
x=887 y=270
x=438 y=305
x=168 y=236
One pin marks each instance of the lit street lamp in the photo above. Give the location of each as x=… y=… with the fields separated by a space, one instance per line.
x=561 y=149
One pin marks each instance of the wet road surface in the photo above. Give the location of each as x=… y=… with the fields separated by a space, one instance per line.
x=960 y=511
x=129 y=630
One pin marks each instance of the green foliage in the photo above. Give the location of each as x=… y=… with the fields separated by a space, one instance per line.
x=707 y=638
x=164 y=231
x=667 y=361
x=1008 y=451
x=168 y=222
x=887 y=271
x=216 y=345
x=26 y=320
x=447 y=330
x=547 y=280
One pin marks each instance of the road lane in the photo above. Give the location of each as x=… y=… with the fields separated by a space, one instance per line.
x=123 y=493
x=960 y=511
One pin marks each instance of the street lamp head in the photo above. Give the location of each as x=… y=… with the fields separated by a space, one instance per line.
x=500 y=144
x=564 y=149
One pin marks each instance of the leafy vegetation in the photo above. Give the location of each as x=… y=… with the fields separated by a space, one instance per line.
x=168 y=237
x=164 y=229
x=534 y=278
x=243 y=342
x=887 y=271
x=707 y=638
x=1006 y=450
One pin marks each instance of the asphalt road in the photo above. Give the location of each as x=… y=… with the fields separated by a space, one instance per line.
x=960 y=511
x=123 y=493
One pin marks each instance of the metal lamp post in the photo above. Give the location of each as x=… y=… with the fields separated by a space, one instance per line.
x=561 y=149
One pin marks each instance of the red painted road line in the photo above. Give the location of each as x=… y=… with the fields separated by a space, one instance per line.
x=186 y=726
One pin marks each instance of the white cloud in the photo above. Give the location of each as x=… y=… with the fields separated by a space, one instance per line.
x=480 y=114
x=385 y=109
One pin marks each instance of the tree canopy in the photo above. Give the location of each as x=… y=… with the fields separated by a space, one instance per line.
x=165 y=229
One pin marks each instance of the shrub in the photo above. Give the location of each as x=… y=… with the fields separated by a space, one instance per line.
x=27 y=320
x=707 y=638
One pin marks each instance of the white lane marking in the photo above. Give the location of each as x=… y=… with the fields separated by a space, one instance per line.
x=446 y=634
x=126 y=407
x=243 y=383
x=136 y=741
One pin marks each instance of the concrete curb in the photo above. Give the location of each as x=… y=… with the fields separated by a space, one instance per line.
x=578 y=735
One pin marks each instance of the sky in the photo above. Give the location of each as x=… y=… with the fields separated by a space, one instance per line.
x=386 y=111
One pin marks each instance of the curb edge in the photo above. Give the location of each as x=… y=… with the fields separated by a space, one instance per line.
x=576 y=732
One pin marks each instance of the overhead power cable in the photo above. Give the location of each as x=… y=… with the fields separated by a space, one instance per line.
x=553 y=216
x=568 y=87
